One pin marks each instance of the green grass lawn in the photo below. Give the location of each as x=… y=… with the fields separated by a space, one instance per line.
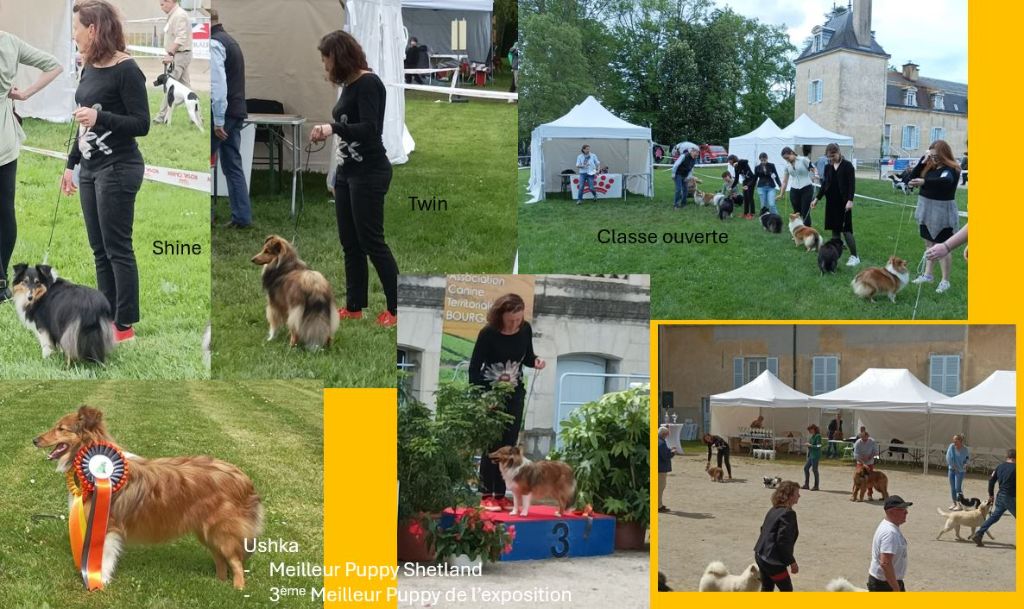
x=464 y=153
x=174 y=290
x=756 y=275
x=273 y=431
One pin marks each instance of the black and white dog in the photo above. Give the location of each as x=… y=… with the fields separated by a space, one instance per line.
x=968 y=504
x=178 y=94
x=771 y=222
x=74 y=318
x=771 y=481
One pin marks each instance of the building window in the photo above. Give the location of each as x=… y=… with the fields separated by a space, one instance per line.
x=746 y=369
x=824 y=373
x=814 y=91
x=910 y=97
x=818 y=42
x=945 y=374
x=938 y=133
x=911 y=137
x=887 y=140
x=937 y=102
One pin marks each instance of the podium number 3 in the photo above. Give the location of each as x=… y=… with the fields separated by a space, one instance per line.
x=561 y=547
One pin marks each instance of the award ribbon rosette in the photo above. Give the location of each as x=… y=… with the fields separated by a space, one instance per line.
x=99 y=470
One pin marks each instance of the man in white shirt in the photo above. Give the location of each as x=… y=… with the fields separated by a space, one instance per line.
x=178 y=45
x=865 y=450
x=587 y=165
x=889 y=549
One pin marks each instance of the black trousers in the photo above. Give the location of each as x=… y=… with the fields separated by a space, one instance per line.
x=8 y=222
x=880 y=585
x=723 y=454
x=359 y=205
x=491 y=482
x=800 y=199
x=108 y=204
x=785 y=584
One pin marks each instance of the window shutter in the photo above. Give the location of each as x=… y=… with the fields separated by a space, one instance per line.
x=737 y=372
x=810 y=91
x=773 y=365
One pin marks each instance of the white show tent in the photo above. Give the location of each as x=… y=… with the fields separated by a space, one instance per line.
x=985 y=414
x=804 y=131
x=767 y=138
x=430 y=22
x=786 y=408
x=623 y=147
x=47 y=27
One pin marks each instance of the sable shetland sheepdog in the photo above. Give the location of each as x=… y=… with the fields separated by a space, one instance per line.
x=703 y=198
x=875 y=280
x=73 y=317
x=525 y=478
x=166 y=498
x=297 y=296
x=803 y=235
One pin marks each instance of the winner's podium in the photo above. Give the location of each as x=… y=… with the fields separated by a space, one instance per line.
x=544 y=535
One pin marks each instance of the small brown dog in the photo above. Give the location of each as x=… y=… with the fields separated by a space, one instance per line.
x=526 y=478
x=803 y=235
x=703 y=198
x=714 y=472
x=889 y=281
x=297 y=296
x=865 y=480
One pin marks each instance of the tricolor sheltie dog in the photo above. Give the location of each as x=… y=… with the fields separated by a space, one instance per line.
x=166 y=498
x=525 y=478
x=74 y=318
x=803 y=235
x=297 y=296
x=888 y=281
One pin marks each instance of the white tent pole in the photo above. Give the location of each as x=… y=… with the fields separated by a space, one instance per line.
x=927 y=436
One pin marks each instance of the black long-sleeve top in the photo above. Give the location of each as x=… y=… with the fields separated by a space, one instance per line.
x=359 y=123
x=686 y=165
x=767 y=175
x=743 y=171
x=778 y=537
x=120 y=90
x=496 y=354
x=1006 y=475
x=939 y=183
x=716 y=442
x=841 y=182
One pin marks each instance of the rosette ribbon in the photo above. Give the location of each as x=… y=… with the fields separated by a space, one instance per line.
x=97 y=472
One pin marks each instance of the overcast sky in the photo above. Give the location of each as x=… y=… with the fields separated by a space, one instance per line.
x=933 y=34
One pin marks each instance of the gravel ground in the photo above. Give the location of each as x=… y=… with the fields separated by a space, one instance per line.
x=722 y=521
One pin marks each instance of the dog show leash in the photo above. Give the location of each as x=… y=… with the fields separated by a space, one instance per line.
x=99 y=470
x=70 y=142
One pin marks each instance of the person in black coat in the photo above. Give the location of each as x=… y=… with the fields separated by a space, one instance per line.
x=503 y=348
x=412 y=61
x=773 y=552
x=745 y=179
x=838 y=186
x=767 y=178
x=723 y=451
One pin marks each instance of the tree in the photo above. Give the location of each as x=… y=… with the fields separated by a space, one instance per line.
x=554 y=73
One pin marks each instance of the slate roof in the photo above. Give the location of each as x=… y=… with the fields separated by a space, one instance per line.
x=954 y=93
x=843 y=38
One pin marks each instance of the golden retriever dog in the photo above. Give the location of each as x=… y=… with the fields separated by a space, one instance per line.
x=967 y=518
x=717 y=578
x=525 y=478
x=166 y=498
x=297 y=296
x=868 y=481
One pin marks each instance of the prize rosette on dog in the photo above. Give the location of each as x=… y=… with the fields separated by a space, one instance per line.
x=99 y=470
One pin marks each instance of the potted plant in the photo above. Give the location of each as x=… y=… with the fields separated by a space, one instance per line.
x=607 y=443
x=470 y=539
x=435 y=456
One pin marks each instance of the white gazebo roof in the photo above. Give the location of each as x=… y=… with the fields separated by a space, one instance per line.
x=995 y=396
x=765 y=391
x=888 y=389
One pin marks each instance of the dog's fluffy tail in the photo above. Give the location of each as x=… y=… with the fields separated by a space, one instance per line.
x=717 y=568
x=316 y=320
x=88 y=340
x=840 y=584
x=861 y=289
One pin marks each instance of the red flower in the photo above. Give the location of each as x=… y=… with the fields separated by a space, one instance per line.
x=416 y=529
x=507 y=548
x=488 y=527
x=512 y=531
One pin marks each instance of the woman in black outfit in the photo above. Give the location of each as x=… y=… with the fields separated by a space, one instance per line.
x=937 y=174
x=837 y=187
x=502 y=348
x=363 y=174
x=745 y=180
x=723 y=451
x=773 y=552
x=113 y=110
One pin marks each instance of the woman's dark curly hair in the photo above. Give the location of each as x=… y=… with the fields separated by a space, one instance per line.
x=346 y=56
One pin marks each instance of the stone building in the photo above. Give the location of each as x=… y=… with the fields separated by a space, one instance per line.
x=592 y=325
x=844 y=83
x=695 y=362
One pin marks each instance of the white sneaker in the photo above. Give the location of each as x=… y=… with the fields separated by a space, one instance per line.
x=923 y=279
x=943 y=286
x=852 y=261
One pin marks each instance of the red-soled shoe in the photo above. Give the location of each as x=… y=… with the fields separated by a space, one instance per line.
x=387 y=320
x=344 y=313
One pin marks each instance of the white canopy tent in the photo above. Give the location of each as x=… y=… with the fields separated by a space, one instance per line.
x=430 y=22
x=279 y=40
x=766 y=138
x=985 y=414
x=625 y=148
x=786 y=408
x=804 y=131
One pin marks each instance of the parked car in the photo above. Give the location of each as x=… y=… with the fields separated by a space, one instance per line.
x=710 y=153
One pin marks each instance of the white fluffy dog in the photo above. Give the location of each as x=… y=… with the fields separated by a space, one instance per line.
x=840 y=584
x=717 y=578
